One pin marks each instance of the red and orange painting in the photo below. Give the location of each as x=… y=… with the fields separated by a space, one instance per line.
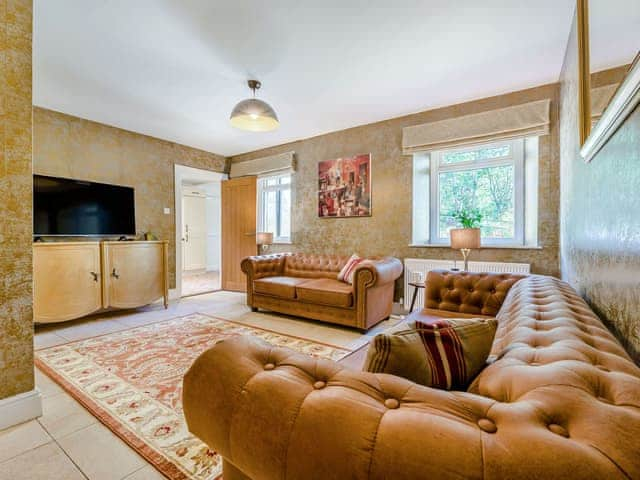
x=344 y=187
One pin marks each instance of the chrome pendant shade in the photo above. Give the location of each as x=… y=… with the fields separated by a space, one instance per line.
x=254 y=115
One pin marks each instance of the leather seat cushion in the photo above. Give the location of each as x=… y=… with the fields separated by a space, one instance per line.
x=283 y=287
x=326 y=291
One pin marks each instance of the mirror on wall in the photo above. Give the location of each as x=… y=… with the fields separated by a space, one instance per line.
x=609 y=43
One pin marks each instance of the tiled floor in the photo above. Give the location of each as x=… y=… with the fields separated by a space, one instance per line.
x=199 y=281
x=68 y=443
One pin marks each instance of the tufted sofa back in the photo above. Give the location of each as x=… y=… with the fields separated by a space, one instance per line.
x=561 y=372
x=309 y=265
x=466 y=292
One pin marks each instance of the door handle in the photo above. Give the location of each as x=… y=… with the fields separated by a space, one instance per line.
x=95 y=276
x=115 y=274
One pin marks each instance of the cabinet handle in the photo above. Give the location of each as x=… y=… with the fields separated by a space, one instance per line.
x=115 y=274
x=95 y=276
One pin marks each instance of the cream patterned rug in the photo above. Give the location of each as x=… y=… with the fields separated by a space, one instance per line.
x=132 y=382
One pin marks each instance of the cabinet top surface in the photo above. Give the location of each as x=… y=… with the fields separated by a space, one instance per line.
x=98 y=242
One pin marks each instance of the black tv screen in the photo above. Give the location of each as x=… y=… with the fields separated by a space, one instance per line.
x=62 y=206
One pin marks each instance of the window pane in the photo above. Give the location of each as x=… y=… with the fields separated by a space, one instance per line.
x=269 y=212
x=473 y=155
x=270 y=181
x=490 y=190
x=285 y=214
x=285 y=180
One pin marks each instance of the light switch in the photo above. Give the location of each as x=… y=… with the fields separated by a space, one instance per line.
x=167 y=211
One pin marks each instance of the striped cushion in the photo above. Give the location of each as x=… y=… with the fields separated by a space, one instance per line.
x=447 y=353
x=346 y=274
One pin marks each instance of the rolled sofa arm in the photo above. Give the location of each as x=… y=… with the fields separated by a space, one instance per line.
x=274 y=414
x=378 y=271
x=261 y=266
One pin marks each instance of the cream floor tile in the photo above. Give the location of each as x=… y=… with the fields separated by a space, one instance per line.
x=138 y=319
x=62 y=415
x=79 y=330
x=46 y=386
x=100 y=454
x=46 y=339
x=47 y=462
x=22 y=438
x=146 y=473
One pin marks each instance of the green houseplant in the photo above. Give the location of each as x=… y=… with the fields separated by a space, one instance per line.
x=468 y=237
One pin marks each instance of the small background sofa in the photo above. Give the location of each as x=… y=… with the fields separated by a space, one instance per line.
x=307 y=286
x=559 y=400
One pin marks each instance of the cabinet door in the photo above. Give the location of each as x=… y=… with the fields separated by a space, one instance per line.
x=66 y=281
x=134 y=273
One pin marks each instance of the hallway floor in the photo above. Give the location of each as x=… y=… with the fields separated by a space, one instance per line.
x=195 y=282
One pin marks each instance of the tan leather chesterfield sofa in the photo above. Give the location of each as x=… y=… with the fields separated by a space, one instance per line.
x=307 y=286
x=561 y=400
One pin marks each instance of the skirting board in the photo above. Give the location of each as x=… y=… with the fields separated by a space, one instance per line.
x=20 y=408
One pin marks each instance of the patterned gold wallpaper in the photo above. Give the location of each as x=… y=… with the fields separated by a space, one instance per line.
x=388 y=230
x=72 y=147
x=600 y=248
x=16 y=327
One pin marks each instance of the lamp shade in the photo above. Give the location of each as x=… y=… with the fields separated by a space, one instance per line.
x=254 y=115
x=465 y=238
x=264 y=238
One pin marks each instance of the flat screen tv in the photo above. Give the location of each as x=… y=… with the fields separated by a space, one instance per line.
x=67 y=207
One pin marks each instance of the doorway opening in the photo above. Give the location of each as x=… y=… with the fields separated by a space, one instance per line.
x=198 y=230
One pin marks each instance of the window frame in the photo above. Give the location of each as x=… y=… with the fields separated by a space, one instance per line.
x=515 y=159
x=277 y=187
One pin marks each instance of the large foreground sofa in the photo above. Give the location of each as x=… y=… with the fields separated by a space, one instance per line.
x=306 y=285
x=561 y=400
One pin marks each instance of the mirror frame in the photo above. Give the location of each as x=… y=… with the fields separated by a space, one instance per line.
x=624 y=100
x=584 y=74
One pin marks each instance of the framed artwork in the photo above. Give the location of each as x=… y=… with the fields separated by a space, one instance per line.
x=344 y=187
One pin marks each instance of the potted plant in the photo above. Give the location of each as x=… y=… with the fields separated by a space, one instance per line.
x=468 y=237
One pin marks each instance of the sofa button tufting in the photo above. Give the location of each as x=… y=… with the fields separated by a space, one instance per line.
x=391 y=403
x=487 y=425
x=558 y=430
x=269 y=366
x=319 y=385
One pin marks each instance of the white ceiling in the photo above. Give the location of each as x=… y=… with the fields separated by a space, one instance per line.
x=174 y=69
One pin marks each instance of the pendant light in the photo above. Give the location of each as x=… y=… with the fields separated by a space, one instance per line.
x=254 y=115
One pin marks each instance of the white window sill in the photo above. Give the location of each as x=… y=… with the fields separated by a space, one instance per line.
x=502 y=247
x=282 y=242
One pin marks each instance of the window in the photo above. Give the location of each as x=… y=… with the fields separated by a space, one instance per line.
x=489 y=178
x=274 y=206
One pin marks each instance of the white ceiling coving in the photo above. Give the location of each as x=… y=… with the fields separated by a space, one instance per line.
x=174 y=69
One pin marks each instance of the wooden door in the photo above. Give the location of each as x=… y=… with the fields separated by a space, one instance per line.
x=194 y=233
x=135 y=273
x=238 y=229
x=67 y=281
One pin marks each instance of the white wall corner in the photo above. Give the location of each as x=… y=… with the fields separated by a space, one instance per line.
x=20 y=408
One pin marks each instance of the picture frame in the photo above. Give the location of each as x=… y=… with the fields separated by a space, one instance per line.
x=344 y=187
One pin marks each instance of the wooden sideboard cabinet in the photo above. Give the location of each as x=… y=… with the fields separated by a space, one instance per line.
x=74 y=279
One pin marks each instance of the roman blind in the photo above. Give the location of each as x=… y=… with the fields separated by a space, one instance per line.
x=600 y=98
x=527 y=119
x=260 y=166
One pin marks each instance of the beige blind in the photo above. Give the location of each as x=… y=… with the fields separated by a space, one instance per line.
x=528 y=119
x=600 y=98
x=261 y=166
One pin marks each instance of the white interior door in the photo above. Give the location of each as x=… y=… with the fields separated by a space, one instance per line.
x=194 y=232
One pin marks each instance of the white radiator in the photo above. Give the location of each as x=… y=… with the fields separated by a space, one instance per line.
x=416 y=269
